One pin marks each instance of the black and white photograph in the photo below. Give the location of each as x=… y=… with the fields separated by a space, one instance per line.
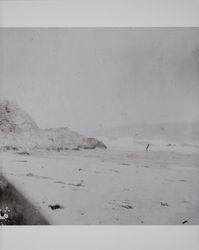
x=99 y=126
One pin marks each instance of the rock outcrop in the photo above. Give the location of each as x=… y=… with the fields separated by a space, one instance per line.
x=18 y=131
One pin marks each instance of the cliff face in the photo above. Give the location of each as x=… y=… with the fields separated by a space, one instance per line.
x=19 y=131
x=14 y=120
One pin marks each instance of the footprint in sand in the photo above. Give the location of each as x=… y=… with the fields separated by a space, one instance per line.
x=78 y=184
x=37 y=176
x=125 y=164
x=59 y=182
x=114 y=171
x=124 y=204
x=183 y=180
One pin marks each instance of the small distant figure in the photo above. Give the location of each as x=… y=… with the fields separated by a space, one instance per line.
x=147 y=147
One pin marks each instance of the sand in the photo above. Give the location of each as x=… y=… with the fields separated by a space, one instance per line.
x=124 y=184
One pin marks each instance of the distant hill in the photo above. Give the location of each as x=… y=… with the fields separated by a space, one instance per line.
x=19 y=131
x=182 y=132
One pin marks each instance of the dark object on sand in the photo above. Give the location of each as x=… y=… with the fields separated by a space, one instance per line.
x=56 y=206
x=75 y=149
x=184 y=222
x=6 y=148
x=164 y=204
x=147 y=147
x=127 y=206
x=23 y=153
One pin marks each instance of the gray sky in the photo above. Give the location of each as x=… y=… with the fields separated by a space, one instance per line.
x=101 y=77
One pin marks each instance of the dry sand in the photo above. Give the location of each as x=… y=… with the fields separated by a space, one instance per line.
x=119 y=185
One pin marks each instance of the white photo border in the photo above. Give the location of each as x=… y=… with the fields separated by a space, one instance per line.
x=101 y=13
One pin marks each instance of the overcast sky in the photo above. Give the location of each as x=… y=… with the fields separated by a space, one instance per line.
x=91 y=78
